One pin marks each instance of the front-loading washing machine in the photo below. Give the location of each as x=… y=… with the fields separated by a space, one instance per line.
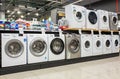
x=37 y=48
x=107 y=44
x=97 y=44
x=115 y=43
x=56 y=46
x=75 y=16
x=92 y=19
x=113 y=21
x=13 y=49
x=72 y=46
x=103 y=23
x=86 y=45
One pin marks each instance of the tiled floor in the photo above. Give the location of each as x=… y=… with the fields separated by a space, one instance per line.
x=100 y=69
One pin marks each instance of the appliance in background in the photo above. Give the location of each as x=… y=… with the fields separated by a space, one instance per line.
x=97 y=44
x=72 y=46
x=113 y=21
x=56 y=46
x=103 y=23
x=92 y=19
x=13 y=49
x=115 y=43
x=57 y=14
x=107 y=44
x=37 y=48
x=86 y=45
x=75 y=16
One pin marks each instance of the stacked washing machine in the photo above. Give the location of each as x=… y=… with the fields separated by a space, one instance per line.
x=76 y=16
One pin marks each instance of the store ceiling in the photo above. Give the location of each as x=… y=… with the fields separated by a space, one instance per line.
x=33 y=8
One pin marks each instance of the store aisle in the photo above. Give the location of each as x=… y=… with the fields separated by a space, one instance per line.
x=100 y=69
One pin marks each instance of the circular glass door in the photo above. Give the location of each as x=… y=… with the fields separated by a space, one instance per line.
x=78 y=16
x=57 y=46
x=38 y=47
x=114 y=20
x=87 y=44
x=74 y=46
x=104 y=19
x=107 y=43
x=14 y=48
x=92 y=17
x=98 y=43
x=116 y=43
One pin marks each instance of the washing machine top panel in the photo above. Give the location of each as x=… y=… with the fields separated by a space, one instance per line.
x=14 y=48
x=38 y=47
x=74 y=45
x=92 y=16
x=57 y=46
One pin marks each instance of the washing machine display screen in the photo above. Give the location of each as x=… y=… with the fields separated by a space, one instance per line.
x=98 y=43
x=79 y=15
x=114 y=20
x=107 y=43
x=92 y=17
x=104 y=18
x=14 y=48
x=116 y=42
x=87 y=44
x=74 y=46
x=57 y=46
x=38 y=47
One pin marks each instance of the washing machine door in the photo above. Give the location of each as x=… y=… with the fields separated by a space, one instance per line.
x=87 y=44
x=116 y=43
x=57 y=46
x=78 y=16
x=98 y=43
x=74 y=46
x=114 y=20
x=92 y=16
x=14 y=48
x=105 y=19
x=38 y=47
x=107 y=43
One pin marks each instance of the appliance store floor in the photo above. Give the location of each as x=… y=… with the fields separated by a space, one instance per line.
x=99 y=69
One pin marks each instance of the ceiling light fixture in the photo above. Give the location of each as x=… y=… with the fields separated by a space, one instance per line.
x=8 y=11
x=28 y=13
x=37 y=14
x=22 y=16
x=18 y=12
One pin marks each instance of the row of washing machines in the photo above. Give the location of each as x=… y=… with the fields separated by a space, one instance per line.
x=34 y=48
x=80 y=17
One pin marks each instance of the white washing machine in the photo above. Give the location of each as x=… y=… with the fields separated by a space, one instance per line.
x=72 y=46
x=75 y=16
x=92 y=19
x=86 y=45
x=13 y=49
x=107 y=44
x=103 y=23
x=97 y=44
x=115 y=43
x=56 y=47
x=113 y=21
x=37 y=48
